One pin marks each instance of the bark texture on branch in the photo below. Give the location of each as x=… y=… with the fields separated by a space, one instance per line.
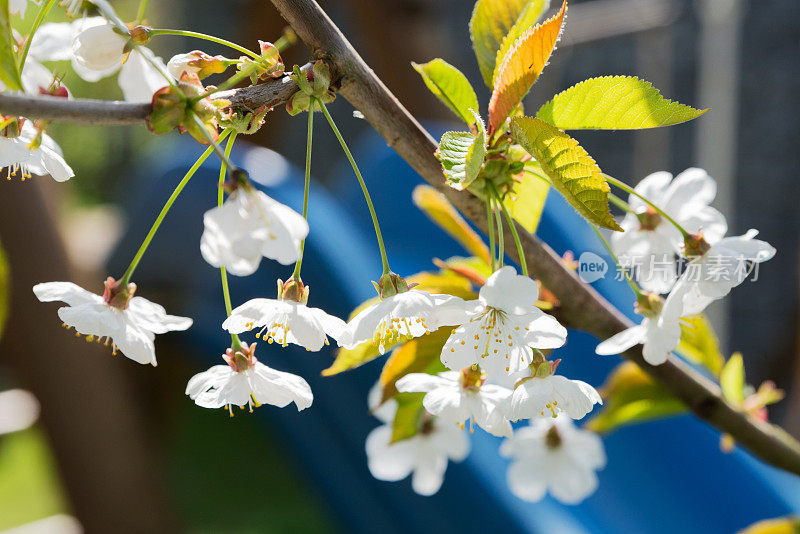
x=112 y=112
x=581 y=305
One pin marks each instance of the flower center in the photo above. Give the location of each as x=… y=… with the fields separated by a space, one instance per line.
x=491 y=336
x=552 y=439
x=394 y=329
x=472 y=378
x=116 y=294
x=649 y=219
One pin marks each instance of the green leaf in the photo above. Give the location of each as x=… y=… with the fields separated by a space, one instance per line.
x=568 y=166
x=526 y=202
x=631 y=396
x=409 y=416
x=451 y=87
x=521 y=67
x=614 y=103
x=442 y=212
x=731 y=379
x=492 y=21
x=420 y=355
x=530 y=15
x=699 y=344
x=9 y=71
x=462 y=155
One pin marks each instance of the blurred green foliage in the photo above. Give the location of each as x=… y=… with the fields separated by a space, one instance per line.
x=29 y=484
x=236 y=479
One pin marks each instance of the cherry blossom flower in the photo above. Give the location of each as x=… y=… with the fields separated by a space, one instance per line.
x=552 y=455
x=17 y=7
x=16 y=154
x=286 y=319
x=649 y=243
x=248 y=226
x=98 y=51
x=503 y=326
x=129 y=323
x=245 y=381
x=714 y=270
x=99 y=47
x=457 y=396
x=658 y=333
x=196 y=62
x=400 y=317
x=539 y=396
x=424 y=456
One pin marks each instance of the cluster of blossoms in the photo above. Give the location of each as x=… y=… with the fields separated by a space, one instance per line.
x=497 y=349
x=676 y=222
x=498 y=375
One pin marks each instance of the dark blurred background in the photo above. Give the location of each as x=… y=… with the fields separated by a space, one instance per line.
x=119 y=448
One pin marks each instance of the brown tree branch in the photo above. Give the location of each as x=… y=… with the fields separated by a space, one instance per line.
x=111 y=112
x=580 y=303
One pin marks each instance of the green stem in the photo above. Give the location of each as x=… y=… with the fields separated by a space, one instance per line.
x=490 y=225
x=306 y=187
x=363 y=185
x=236 y=343
x=625 y=187
x=36 y=23
x=142 y=11
x=621 y=204
x=628 y=278
x=520 y=252
x=501 y=242
x=214 y=145
x=198 y=35
x=171 y=200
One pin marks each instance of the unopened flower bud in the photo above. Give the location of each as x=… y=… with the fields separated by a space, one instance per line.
x=197 y=62
x=116 y=294
x=141 y=35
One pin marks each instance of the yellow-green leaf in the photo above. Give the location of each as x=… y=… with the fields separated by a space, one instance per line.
x=780 y=525
x=699 y=344
x=420 y=355
x=450 y=86
x=568 y=166
x=440 y=211
x=631 y=396
x=526 y=201
x=492 y=21
x=521 y=67
x=462 y=155
x=409 y=416
x=9 y=72
x=530 y=15
x=731 y=379
x=614 y=103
